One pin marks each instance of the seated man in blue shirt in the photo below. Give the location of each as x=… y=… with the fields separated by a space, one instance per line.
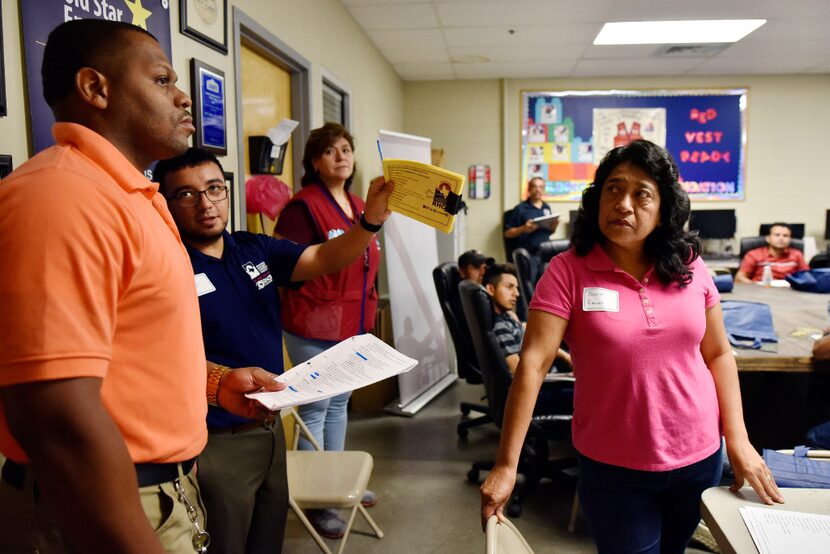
x=242 y=470
x=519 y=225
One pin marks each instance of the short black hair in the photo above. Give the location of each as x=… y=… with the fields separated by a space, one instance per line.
x=493 y=273
x=779 y=224
x=194 y=157
x=670 y=246
x=77 y=44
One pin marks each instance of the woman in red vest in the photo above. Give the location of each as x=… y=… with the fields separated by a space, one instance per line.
x=331 y=308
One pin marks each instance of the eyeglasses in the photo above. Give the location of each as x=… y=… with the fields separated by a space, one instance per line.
x=188 y=198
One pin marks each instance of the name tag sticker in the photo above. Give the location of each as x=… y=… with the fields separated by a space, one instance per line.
x=203 y=284
x=597 y=299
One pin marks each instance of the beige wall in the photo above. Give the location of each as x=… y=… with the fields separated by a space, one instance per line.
x=788 y=136
x=463 y=118
x=322 y=31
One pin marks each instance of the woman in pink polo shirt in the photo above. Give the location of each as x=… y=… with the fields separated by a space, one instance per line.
x=657 y=382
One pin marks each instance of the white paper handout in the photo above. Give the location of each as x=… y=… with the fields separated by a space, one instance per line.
x=279 y=134
x=348 y=365
x=784 y=532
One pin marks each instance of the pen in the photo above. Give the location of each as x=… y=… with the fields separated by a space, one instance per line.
x=380 y=150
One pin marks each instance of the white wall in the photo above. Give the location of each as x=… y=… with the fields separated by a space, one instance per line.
x=788 y=137
x=322 y=31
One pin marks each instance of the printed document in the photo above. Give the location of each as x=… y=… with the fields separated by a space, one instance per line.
x=785 y=532
x=545 y=220
x=349 y=365
x=422 y=190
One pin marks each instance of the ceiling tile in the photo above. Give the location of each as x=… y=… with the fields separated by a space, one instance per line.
x=777 y=48
x=520 y=12
x=754 y=65
x=555 y=37
x=529 y=35
x=668 y=10
x=395 y=16
x=518 y=53
x=417 y=55
x=406 y=38
x=379 y=2
x=625 y=51
x=495 y=70
x=633 y=68
x=424 y=71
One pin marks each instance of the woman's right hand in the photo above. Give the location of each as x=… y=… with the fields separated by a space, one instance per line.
x=495 y=492
x=376 y=211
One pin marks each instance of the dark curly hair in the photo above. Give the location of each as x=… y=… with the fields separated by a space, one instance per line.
x=669 y=246
x=318 y=140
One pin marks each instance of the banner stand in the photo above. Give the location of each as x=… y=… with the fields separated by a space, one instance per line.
x=410 y=409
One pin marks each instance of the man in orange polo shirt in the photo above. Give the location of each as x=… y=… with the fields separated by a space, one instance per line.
x=102 y=369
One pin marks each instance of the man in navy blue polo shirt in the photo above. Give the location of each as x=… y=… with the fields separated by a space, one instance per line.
x=242 y=470
x=519 y=225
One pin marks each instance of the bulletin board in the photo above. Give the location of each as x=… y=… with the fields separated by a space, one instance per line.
x=565 y=135
x=39 y=17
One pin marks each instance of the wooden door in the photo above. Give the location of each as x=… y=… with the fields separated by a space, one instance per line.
x=266 y=100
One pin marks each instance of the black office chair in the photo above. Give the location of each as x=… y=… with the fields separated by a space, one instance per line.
x=534 y=460
x=797 y=229
x=509 y=244
x=750 y=243
x=446 y=277
x=551 y=248
x=527 y=281
x=822 y=259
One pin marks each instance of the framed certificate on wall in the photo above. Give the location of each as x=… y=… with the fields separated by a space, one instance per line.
x=205 y=21
x=209 y=116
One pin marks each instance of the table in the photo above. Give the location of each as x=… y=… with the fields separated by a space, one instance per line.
x=719 y=509
x=791 y=310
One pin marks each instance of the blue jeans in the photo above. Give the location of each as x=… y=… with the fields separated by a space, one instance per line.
x=644 y=511
x=326 y=419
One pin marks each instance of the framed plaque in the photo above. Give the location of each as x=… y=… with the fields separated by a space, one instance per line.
x=209 y=116
x=205 y=21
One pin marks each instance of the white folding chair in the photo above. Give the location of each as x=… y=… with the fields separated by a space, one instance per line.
x=321 y=479
x=504 y=538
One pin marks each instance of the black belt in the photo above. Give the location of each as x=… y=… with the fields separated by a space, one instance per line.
x=267 y=423
x=14 y=474
x=156 y=474
x=148 y=474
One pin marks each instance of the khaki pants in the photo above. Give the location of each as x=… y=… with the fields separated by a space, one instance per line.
x=28 y=527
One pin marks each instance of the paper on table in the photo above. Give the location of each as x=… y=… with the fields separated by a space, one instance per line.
x=784 y=532
x=348 y=365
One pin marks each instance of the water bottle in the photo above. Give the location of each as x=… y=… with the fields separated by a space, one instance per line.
x=766 y=278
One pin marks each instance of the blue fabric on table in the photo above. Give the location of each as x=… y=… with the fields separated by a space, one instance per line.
x=748 y=324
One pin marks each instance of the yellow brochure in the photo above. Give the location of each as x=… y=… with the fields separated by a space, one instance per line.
x=424 y=192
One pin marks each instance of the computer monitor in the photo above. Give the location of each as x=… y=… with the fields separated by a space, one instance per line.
x=713 y=224
x=796 y=228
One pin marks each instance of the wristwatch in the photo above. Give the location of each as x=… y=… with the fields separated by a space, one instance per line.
x=368 y=226
x=213 y=379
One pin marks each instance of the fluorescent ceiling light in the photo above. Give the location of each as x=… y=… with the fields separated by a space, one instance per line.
x=677 y=32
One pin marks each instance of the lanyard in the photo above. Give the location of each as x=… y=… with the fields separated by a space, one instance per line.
x=350 y=224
